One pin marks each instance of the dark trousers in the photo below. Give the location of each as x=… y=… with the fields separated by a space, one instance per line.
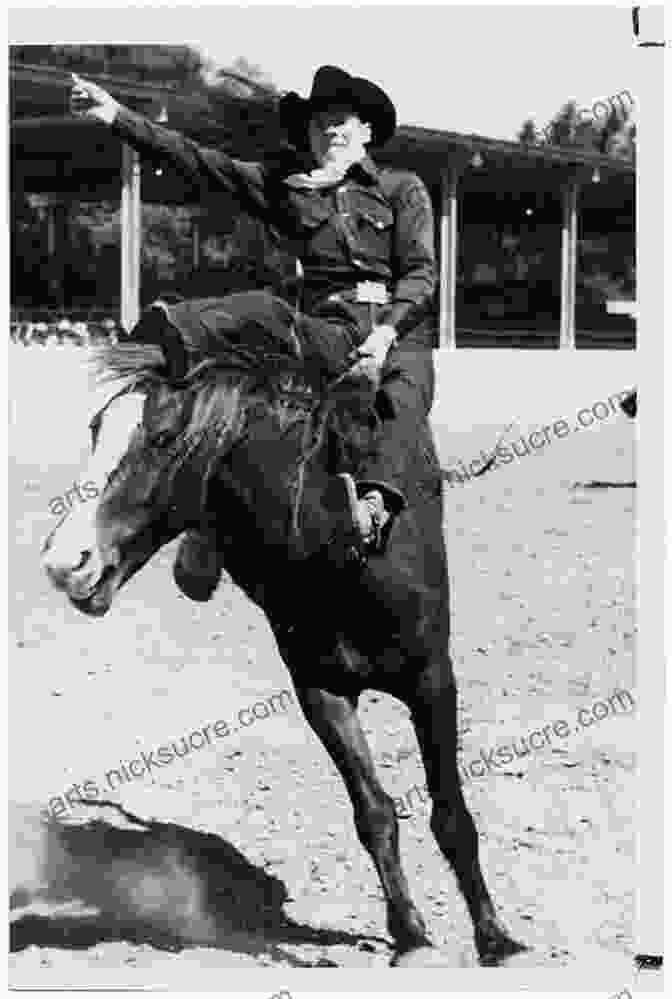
x=403 y=401
x=327 y=338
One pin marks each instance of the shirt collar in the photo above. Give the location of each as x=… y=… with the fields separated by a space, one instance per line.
x=365 y=169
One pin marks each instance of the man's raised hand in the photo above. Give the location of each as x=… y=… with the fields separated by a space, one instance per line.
x=88 y=100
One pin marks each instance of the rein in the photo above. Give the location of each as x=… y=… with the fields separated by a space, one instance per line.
x=313 y=437
x=318 y=401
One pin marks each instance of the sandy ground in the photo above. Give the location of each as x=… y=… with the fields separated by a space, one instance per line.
x=247 y=855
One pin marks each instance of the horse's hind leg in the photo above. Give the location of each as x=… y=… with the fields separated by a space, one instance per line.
x=434 y=713
x=334 y=719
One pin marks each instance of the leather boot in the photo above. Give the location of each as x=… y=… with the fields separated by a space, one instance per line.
x=364 y=513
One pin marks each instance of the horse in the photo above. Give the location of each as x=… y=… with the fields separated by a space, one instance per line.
x=246 y=438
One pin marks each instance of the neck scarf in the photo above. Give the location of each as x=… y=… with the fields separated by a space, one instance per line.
x=325 y=176
x=320 y=177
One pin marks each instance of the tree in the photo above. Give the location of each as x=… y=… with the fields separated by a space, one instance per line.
x=177 y=64
x=562 y=129
x=240 y=77
x=618 y=136
x=232 y=252
x=569 y=127
x=528 y=133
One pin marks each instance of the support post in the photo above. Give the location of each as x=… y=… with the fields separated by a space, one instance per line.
x=51 y=230
x=57 y=248
x=569 y=255
x=448 y=261
x=131 y=236
x=195 y=244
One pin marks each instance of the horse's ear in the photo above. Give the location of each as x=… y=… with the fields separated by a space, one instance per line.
x=156 y=327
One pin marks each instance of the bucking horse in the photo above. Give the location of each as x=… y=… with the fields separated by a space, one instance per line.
x=212 y=419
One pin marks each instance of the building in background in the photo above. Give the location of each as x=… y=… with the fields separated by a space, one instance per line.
x=533 y=240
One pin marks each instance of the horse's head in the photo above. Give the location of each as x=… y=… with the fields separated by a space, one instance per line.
x=163 y=456
x=155 y=447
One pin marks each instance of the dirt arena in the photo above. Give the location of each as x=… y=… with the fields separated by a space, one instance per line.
x=247 y=854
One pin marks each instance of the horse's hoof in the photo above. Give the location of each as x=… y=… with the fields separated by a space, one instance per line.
x=426 y=957
x=498 y=950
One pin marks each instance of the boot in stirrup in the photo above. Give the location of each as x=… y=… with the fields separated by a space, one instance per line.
x=365 y=510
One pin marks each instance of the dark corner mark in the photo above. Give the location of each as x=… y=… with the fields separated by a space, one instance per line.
x=600 y=484
x=635 y=29
x=648 y=961
x=629 y=404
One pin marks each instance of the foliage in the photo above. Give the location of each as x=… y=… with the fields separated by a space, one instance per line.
x=528 y=132
x=234 y=250
x=177 y=64
x=226 y=78
x=613 y=135
x=606 y=266
x=90 y=274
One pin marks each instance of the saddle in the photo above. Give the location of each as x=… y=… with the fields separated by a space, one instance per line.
x=252 y=324
x=255 y=332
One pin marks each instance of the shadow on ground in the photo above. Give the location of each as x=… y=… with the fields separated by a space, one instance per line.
x=153 y=883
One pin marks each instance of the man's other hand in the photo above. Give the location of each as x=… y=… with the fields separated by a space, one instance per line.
x=88 y=100
x=372 y=353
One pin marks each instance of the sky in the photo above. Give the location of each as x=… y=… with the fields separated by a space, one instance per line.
x=476 y=68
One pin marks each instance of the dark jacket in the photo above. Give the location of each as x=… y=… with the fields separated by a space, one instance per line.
x=376 y=225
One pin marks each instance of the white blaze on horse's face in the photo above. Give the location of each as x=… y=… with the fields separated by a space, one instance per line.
x=72 y=556
x=121 y=418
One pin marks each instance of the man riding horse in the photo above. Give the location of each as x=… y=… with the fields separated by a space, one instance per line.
x=364 y=236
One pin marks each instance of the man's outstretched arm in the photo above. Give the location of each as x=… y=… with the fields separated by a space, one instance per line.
x=197 y=163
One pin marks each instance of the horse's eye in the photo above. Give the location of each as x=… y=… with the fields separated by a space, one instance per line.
x=162 y=441
x=164 y=445
x=152 y=442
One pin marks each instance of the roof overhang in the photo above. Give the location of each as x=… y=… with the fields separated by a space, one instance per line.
x=51 y=151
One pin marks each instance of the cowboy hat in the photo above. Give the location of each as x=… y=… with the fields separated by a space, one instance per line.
x=332 y=85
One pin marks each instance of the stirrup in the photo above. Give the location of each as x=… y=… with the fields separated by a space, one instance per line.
x=343 y=497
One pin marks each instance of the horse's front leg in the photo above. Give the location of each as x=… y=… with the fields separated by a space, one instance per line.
x=433 y=707
x=334 y=720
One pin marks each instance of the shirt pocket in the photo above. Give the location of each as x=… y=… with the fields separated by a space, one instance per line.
x=371 y=221
x=311 y=210
x=371 y=215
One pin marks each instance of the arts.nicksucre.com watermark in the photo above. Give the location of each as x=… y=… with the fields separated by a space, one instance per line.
x=622 y=102
x=495 y=760
x=162 y=756
x=536 y=440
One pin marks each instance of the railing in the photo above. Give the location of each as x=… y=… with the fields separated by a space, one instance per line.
x=80 y=326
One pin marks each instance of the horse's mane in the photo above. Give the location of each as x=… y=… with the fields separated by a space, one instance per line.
x=229 y=390
x=128 y=364
x=241 y=383
x=222 y=390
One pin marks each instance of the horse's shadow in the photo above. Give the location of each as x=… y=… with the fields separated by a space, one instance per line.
x=158 y=884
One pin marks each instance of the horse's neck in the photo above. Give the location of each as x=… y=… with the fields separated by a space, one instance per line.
x=279 y=472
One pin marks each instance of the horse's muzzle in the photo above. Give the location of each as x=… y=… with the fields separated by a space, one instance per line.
x=87 y=584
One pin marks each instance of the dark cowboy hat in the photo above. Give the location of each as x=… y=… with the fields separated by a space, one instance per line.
x=332 y=85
